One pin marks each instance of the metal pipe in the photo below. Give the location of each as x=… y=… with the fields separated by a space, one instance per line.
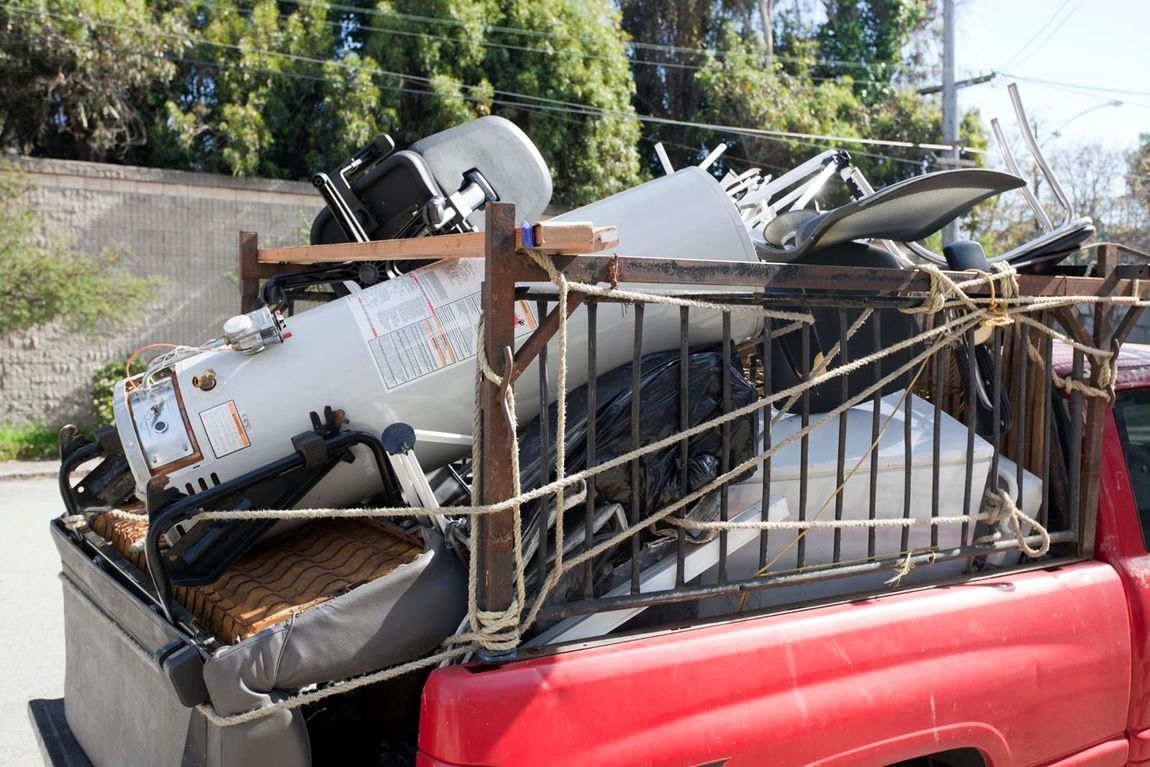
x=1008 y=158
x=1032 y=145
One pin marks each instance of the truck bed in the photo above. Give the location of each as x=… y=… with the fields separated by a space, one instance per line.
x=874 y=681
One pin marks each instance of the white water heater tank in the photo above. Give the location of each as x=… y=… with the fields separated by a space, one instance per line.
x=404 y=350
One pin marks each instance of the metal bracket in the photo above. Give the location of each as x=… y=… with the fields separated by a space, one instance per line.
x=311 y=446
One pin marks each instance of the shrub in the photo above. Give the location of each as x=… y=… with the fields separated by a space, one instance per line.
x=30 y=442
x=104 y=381
x=43 y=282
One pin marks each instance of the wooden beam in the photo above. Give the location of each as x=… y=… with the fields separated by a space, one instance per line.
x=1096 y=410
x=248 y=271
x=495 y=532
x=468 y=245
x=574 y=237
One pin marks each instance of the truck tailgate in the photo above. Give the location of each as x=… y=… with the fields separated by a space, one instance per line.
x=1026 y=668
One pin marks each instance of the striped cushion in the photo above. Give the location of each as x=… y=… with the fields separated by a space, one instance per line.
x=285 y=575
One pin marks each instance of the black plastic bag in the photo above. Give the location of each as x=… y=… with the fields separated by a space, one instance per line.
x=660 y=473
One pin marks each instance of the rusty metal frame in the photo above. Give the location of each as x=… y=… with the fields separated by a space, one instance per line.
x=506 y=267
x=883 y=284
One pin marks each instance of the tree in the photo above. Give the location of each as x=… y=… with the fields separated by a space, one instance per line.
x=742 y=88
x=76 y=74
x=674 y=39
x=556 y=68
x=1138 y=170
x=865 y=38
x=271 y=93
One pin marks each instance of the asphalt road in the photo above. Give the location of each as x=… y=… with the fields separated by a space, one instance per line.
x=31 y=613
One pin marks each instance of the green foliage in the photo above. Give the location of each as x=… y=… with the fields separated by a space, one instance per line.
x=31 y=442
x=282 y=89
x=104 y=381
x=77 y=73
x=42 y=282
x=571 y=53
x=665 y=81
x=866 y=39
x=741 y=87
x=281 y=94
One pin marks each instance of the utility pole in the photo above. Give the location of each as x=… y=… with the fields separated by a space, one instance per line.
x=949 y=101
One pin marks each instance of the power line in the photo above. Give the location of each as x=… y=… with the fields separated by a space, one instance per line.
x=554 y=105
x=1078 y=91
x=1077 y=86
x=635 y=44
x=558 y=104
x=633 y=61
x=1049 y=20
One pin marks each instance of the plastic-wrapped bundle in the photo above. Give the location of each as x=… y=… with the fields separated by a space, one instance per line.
x=660 y=472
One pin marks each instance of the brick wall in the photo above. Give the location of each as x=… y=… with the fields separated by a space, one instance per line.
x=180 y=226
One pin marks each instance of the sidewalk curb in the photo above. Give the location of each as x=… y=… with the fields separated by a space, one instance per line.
x=16 y=476
x=18 y=470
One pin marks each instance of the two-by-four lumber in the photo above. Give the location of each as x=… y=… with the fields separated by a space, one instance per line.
x=572 y=237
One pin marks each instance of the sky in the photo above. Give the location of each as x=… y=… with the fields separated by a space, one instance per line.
x=1101 y=48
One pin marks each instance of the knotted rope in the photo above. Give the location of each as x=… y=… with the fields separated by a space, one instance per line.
x=500 y=631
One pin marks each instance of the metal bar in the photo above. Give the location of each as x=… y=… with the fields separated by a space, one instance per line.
x=1096 y=410
x=936 y=437
x=1047 y=419
x=750 y=297
x=684 y=424
x=804 y=442
x=840 y=462
x=1021 y=426
x=996 y=404
x=813 y=574
x=542 y=335
x=1076 y=443
x=1131 y=271
x=1031 y=144
x=725 y=450
x=875 y=421
x=592 y=423
x=636 y=394
x=545 y=456
x=971 y=408
x=1044 y=221
x=764 y=417
x=908 y=462
x=248 y=271
x=496 y=565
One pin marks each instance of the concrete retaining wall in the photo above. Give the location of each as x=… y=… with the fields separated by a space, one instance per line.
x=180 y=226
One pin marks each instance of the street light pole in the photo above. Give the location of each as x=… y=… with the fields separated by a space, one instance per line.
x=1058 y=131
x=949 y=102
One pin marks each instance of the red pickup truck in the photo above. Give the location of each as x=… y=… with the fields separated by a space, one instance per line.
x=976 y=656
x=1045 y=665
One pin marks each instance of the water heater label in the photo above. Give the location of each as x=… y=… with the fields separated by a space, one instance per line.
x=425 y=321
x=225 y=429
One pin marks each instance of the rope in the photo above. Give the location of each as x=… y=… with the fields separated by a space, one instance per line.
x=500 y=631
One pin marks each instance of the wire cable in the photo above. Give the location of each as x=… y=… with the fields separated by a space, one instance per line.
x=508 y=97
